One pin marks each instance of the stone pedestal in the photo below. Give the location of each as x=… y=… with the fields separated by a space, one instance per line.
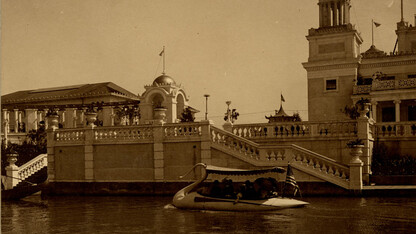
x=160 y=115
x=228 y=126
x=356 y=178
x=12 y=171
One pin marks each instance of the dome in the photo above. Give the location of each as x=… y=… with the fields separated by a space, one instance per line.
x=164 y=80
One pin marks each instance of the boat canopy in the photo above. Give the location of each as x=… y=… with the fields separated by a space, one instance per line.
x=231 y=171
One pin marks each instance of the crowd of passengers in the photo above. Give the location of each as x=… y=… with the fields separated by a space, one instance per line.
x=261 y=188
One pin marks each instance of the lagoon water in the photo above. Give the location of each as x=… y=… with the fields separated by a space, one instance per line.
x=117 y=214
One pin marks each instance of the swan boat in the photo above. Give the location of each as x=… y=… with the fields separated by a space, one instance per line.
x=189 y=198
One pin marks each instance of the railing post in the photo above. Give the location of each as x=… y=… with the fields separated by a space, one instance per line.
x=270 y=131
x=363 y=125
x=12 y=171
x=206 y=141
x=158 y=155
x=356 y=174
x=228 y=126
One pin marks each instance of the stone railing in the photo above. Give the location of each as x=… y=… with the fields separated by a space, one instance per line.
x=235 y=143
x=315 y=164
x=32 y=166
x=396 y=129
x=125 y=133
x=296 y=130
x=119 y=134
x=360 y=89
x=182 y=130
x=385 y=85
x=69 y=135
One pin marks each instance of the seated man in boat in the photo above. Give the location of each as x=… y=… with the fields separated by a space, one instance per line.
x=215 y=189
x=228 y=188
x=249 y=192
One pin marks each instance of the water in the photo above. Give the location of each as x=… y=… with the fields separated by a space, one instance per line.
x=156 y=215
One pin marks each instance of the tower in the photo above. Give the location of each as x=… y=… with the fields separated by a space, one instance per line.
x=334 y=53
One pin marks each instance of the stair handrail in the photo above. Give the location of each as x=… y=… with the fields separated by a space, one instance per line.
x=252 y=143
x=30 y=163
x=322 y=157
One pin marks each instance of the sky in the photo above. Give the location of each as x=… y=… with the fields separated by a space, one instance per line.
x=248 y=52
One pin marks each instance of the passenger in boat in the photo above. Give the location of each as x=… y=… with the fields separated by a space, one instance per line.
x=249 y=192
x=228 y=188
x=215 y=190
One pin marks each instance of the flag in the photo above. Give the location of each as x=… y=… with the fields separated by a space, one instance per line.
x=376 y=24
x=282 y=98
x=290 y=179
x=162 y=52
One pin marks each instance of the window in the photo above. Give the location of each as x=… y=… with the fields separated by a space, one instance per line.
x=330 y=84
x=411 y=76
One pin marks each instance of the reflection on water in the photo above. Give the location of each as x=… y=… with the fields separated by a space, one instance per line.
x=157 y=215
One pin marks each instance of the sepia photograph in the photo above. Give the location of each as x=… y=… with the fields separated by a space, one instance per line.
x=208 y=116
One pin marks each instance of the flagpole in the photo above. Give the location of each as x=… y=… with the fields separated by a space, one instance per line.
x=164 y=60
x=372 y=32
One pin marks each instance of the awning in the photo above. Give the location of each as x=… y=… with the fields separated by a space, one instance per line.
x=231 y=171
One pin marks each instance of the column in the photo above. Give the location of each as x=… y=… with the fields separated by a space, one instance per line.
x=6 y=121
x=20 y=122
x=70 y=117
x=374 y=110
x=397 y=109
x=327 y=14
x=108 y=116
x=321 y=14
x=334 y=13
x=39 y=117
x=346 y=12
x=45 y=112
x=339 y=13
x=31 y=119
x=16 y=120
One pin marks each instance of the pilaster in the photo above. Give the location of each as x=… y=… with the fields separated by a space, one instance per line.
x=158 y=155
x=51 y=152
x=89 y=153
x=206 y=141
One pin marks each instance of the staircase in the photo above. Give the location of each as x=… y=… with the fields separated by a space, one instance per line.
x=300 y=158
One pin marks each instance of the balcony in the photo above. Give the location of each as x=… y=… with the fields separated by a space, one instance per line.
x=385 y=85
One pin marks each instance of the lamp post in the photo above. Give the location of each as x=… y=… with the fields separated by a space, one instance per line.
x=206 y=106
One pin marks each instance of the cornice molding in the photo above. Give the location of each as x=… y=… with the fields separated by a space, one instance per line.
x=310 y=67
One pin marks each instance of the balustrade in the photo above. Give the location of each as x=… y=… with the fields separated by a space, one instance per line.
x=182 y=130
x=396 y=129
x=69 y=135
x=123 y=133
x=385 y=85
x=296 y=129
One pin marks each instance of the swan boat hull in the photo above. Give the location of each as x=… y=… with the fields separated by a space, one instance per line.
x=197 y=201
